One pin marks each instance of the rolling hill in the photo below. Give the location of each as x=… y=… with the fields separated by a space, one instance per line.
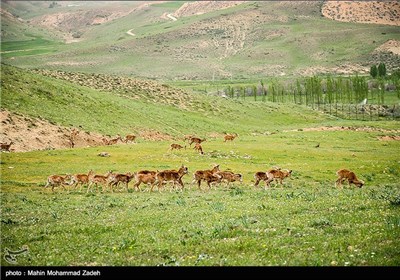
x=39 y=103
x=228 y=40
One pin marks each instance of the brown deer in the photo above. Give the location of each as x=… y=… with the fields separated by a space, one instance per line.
x=57 y=180
x=176 y=147
x=99 y=180
x=196 y=140
x=198 y=148
x=5 y=146
x=277 y=174
x=130 y=138
x=187 y=137
x=171 y=175
x=350 y=176
x=206 y=175
x=262 y=176
x=229 y=177
x=79 y=179
x=145 y=177
x=115 y=140
x=120 y=178
x=72 y=137
x=230 y=137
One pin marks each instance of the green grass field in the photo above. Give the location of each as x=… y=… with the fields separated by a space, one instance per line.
x=305 y=222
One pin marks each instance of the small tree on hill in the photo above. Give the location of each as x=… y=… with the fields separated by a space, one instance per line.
x=381 y=69
x=373 y=71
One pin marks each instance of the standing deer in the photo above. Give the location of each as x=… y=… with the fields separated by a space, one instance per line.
x=5 y=146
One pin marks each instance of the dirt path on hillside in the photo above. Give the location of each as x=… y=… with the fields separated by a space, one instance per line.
x=129 y=32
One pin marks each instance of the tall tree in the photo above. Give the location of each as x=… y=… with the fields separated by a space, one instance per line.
x=381 y=69
x=373 y=71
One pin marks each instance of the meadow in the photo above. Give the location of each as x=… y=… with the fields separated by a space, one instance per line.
x=305 y=222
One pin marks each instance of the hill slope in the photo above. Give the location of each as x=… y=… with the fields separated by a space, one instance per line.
x=247 y=40
x=142 y=110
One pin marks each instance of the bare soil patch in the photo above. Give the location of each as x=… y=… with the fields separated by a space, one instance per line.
x=389 y=138
x=376 y=12
x=29 y=134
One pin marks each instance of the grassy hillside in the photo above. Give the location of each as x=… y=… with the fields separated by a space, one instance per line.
x=251 y=40
x=305 y=222
x=109 y=112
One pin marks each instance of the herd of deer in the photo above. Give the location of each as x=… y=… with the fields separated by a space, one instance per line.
x=159 y=178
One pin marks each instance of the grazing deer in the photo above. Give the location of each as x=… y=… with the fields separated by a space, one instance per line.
x=199 y=148
x=176 y=147
x=206 y=175
x=229 y=177
x=196 y=140
x=5 y=146
x=350 y=176
x=57 y=180
x=145 y=177
x=130 y=138
x=230 y=137
x=171 y=175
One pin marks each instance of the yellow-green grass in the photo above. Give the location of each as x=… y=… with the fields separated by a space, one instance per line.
x=305 y=222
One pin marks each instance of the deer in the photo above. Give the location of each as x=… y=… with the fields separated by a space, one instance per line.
x=79 y=179
x=230 y=137
x=120 y=178
x=171 y=175
x=206 y=175
x=198 y=148
x=262 y=176
x=187 y=137
x=277 y=174
x=146 y=177
x=350 y=176
x=99 y=179
x=196 y=140
x=174 y=146
x=5 y=146
x=72 y=137
x=229 y=177
x=115 y=140
x=130 y=138
x=57 y=180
